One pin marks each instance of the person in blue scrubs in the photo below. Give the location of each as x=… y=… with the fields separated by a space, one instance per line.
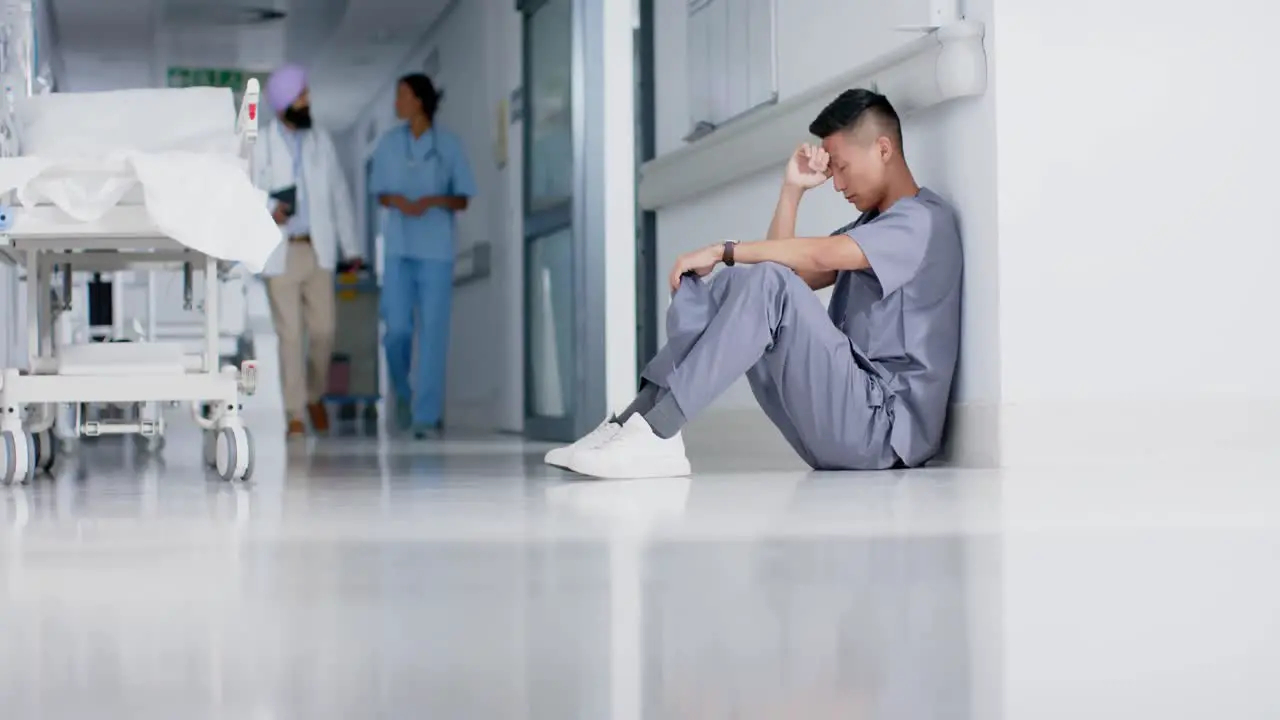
x=422 y=176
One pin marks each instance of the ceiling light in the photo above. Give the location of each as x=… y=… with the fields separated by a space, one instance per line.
x=188 y=13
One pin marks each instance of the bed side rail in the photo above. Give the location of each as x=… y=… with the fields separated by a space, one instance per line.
x=247 y=121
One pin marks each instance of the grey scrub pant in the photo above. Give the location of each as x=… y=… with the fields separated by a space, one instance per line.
x=764 y=321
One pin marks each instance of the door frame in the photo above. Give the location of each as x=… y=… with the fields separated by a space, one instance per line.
x=546 y=221
x=585 y=215
x=647 y=220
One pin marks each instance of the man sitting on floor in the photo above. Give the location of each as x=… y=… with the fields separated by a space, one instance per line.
x=862 y=386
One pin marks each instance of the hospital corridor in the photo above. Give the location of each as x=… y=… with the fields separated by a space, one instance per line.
x=638 y=360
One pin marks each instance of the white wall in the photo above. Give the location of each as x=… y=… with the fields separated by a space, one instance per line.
x=479 y=51
x=951 y=149
x=89 y=72
x=1139 y=239
x=1113 y=185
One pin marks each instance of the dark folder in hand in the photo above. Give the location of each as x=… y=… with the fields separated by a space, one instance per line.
x=288 y=196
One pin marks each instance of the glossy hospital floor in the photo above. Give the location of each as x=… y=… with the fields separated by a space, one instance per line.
x=364 y=579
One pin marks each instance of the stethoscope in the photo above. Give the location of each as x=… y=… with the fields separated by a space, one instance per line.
x=433 y=153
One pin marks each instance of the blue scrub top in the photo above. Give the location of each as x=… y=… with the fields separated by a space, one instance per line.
x=433 y=164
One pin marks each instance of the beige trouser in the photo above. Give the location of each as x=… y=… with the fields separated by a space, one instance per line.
x=302 y=299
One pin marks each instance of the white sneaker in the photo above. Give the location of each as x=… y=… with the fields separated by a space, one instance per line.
x=561 y=457
x=633 y=453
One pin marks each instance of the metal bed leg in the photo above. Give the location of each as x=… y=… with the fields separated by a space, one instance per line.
x=68 y=287
x=117 y=306
x=42 y=418
x=152 y=412
x=188 y=286
x=27 y=441
x=33 y=309
x=228 y=444
x=212 y=325
x=17 y=446
x=151 y=305
x=45 y=290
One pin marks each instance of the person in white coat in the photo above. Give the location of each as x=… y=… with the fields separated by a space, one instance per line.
x=298 y=166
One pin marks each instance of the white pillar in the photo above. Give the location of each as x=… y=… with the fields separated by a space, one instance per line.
x=620 y=202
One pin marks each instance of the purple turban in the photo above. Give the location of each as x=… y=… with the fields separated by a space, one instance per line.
x=285 y=85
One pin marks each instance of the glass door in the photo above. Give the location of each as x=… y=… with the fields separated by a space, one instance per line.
x=551 y=321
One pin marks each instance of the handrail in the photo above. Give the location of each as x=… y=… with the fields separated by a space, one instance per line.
x=247 y=118
x=943 y=65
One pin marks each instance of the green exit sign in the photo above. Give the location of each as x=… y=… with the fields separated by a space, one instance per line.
x=181 y=77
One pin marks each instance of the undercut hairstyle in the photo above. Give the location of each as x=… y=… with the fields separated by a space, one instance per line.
x=854 y=110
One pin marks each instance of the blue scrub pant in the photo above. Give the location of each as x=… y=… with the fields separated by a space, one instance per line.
x=422 y=290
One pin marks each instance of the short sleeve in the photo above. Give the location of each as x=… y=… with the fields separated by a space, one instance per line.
x=462 y=182
x=895 y=244
x=381 y=173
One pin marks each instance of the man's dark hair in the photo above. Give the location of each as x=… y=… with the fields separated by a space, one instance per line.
x=425 y=90
x=852 y=109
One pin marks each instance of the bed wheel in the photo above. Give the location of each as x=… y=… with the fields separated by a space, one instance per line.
x=45 y=449
x=8 y=459
x=233 y=454
x=18 y=462
x=210 y=448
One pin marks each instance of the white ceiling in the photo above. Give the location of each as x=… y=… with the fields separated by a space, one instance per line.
x=353 y=48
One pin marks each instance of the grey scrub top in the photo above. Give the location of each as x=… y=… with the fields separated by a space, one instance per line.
x=902 y=315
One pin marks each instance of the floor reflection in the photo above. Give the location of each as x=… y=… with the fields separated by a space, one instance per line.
x=857 y=628
x=366 y=578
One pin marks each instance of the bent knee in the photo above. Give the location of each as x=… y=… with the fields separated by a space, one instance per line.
x=772 y=269
x=762 y=275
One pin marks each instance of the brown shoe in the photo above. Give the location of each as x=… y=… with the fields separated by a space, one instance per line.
x=296 y=428
x=319 y=417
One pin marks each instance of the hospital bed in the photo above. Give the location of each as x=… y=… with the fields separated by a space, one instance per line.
x=160 y=305
x=113 y=182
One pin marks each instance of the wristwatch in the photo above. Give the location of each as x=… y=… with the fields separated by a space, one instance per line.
x=728 y=253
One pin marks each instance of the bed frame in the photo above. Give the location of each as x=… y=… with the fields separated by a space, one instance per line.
x=49 y=245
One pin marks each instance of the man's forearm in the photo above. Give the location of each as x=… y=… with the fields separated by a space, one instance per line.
x=783 y=227
x=820 y=257
x=783 y=224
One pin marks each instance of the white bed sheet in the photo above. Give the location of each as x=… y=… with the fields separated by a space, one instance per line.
x=78 y=125
x=86 y=153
